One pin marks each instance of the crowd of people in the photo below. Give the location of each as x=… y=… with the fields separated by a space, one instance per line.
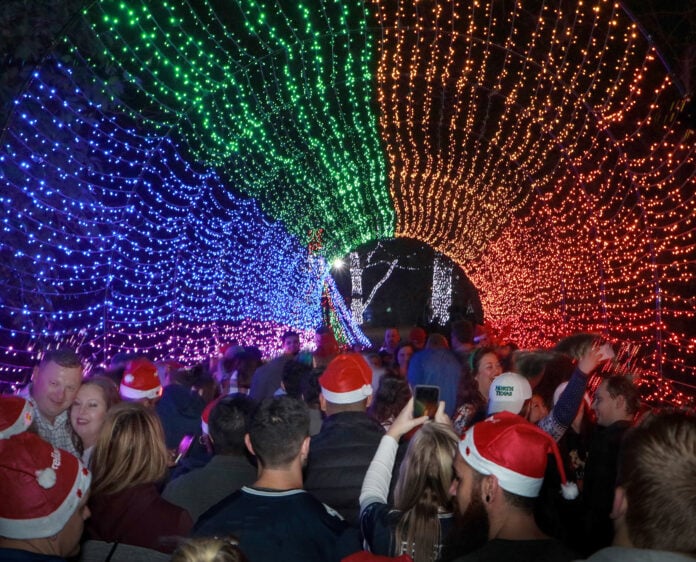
x=328 y=455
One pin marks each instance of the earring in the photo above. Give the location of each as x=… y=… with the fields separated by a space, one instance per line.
x=488 y=499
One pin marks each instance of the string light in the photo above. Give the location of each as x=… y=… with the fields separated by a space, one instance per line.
x=442 y=289
x=526 y=144
x=163 y=178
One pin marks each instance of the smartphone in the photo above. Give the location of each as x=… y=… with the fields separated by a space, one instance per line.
x=425 y=400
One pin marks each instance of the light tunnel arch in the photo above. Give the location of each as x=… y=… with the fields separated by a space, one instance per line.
x=197 y=203
x=592 y=315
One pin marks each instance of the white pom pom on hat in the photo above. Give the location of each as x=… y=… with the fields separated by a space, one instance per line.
x=46 y=478
x=40 y=486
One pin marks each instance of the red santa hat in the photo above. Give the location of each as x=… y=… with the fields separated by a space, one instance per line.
x=16 y=415
x=364 y=556
x=346 y=379
x=41 y=487
x=140 y=380
x=205 y=416
x=417 y=336
x=515 y=452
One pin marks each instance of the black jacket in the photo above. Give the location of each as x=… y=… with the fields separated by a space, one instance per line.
x=600 y=480
x=338 y=459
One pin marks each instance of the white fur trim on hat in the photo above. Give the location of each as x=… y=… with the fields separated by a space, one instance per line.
x=348 y=397
x=509 y=480
x=135 y=394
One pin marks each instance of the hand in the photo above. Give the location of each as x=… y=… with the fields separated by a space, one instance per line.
x=599 y=352
x=441 y=416
x=405 y=422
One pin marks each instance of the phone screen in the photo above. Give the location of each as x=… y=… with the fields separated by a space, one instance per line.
x=425 y=400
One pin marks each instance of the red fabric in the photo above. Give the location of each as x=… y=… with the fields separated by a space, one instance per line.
x=365 y=556
x=138 y=516
x=38 y=481
x=513 y=443
x=345 y=373
x=16 y=415
x=144 y=374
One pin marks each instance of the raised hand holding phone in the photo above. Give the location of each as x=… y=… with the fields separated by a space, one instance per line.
x=425 y=400
x=405 y=421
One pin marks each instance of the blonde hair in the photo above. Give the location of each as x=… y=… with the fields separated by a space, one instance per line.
x=130 y=450
x=208 y=550
x=423 y=489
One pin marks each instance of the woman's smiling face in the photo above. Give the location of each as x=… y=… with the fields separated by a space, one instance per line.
x=489 y=368
x=87 y=413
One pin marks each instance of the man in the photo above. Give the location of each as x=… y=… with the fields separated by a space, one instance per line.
x=512 y=392
x=653 y=508
x=55 y=385
x=392 y=337
x=275 y=519
x=44 y=494
x=436 y=365
x=326 y=347
x=615 y=403
x=417 y=336
x=509 y=392
x=229 y=468
x=141 y=383
x=342 y=451
x=180 y=406
x=498 y=472
x=266 y=379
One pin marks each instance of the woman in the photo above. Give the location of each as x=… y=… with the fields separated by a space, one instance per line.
x=421 y=516
x=392 y=395
x=472 y=395
x=404 y=352
x=129 y=460
x=93 y=400
x=485 y=367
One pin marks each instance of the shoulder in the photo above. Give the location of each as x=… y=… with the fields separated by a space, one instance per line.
x=15 y=555
x=377 y=524
x=379 y=515
x=221 y=513
x=177 y=515
x=349 y=422
x=548 y=550
x=622 y=554
x=185 y=481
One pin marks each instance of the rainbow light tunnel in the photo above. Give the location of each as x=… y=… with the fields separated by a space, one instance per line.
x=177 y=174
